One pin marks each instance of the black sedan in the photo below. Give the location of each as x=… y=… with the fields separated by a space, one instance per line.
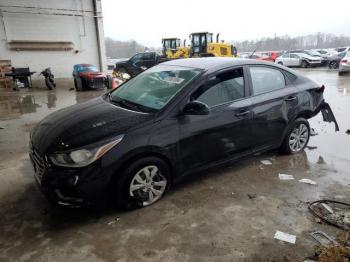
x=175 y=119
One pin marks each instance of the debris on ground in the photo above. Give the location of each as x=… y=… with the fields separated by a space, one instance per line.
x=285 y=237
x=307 y=181
x=2 y=127
x=321 y=160
x=328 y=208
x=347 y=132
x=266 y=162
x=323 y=239
x=285 y=177
x=113 y=221
x=332 y=250
x=251 y=196
x=332 y=212
x=311 y=147
x=318 y=220
x=71 y=89
x=313 y=132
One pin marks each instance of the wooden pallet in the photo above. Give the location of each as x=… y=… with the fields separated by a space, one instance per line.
x=5 y=67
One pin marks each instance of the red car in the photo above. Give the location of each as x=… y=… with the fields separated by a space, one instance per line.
x=87 y=76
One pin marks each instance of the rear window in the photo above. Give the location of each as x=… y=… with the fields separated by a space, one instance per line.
x=266 y=79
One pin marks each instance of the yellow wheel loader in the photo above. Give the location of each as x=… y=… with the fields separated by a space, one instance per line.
x=172 y=48
x=202 y=45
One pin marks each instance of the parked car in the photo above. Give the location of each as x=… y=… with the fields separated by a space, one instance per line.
x=344 y=65
x=172 y=120
x=138 y=63
x=342 y=49
x=298 y=60
x=87 y=76
x=334 y=60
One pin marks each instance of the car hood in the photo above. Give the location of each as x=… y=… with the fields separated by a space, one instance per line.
x=84 y=124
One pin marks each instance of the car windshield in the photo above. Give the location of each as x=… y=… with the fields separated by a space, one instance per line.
x=87 y=68
x=151 y=90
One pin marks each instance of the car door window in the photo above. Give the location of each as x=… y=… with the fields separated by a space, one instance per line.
x=222 y=88
x=136 y=58
x=266 y=79
x=285 y=56
x=294 y=56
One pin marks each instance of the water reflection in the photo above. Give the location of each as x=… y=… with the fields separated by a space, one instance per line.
x=14 y=106
x=51 y=100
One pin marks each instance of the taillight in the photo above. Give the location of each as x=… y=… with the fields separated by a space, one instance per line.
x=344 y=61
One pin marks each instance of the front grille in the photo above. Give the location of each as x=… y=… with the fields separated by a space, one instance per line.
x=98 y=82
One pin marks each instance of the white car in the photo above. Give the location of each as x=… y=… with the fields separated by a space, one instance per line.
x=298 y=59
x=344 y=65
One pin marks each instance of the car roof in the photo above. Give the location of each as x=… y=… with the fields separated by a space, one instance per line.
x=212 y=64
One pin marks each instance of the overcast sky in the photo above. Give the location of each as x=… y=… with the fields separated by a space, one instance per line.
x=147 y=21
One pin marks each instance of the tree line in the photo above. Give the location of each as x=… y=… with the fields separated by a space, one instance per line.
x=124 y=49
x=278 y=43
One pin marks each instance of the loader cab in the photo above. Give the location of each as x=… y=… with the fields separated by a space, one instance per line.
x=170 y=44
x=199 y=43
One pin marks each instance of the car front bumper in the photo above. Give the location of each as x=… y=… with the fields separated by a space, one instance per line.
x=70 y=187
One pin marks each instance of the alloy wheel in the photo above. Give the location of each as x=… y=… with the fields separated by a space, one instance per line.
x=148 y=185
x=298 y=138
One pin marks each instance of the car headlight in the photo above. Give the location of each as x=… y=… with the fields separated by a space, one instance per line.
x=83 y=156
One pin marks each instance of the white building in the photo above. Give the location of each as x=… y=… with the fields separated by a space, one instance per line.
x=48 y=33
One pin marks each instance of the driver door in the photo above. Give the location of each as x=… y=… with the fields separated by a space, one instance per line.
x=225 y=131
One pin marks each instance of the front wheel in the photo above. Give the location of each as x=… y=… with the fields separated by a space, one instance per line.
x=297 y=137
x=142 y=183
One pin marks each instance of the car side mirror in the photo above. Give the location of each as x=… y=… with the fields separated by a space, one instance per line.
x=195 y=108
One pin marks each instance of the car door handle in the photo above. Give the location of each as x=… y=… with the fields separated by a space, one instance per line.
x=242 y=113
x=290 y=98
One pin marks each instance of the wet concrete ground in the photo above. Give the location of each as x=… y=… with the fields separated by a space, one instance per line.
x=227 y=214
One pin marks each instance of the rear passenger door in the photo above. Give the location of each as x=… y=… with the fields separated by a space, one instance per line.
x=294 y=60
x=273 y=99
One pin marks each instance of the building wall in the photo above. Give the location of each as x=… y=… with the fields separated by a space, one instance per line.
x=50 y=20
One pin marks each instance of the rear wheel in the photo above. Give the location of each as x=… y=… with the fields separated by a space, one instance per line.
x=304 y=64
x=142 y=183
x=297 y=137
x=333 y=65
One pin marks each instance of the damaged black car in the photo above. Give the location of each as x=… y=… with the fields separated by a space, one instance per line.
x=177 y=118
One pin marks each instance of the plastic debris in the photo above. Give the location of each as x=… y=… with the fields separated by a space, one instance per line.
x=307 y=181
x=285 y=177
x=266 y=162
x=311 y=147
x=251 y=196
x=313 y=132
x=328 y=208
x=113 y=221
x=285 y=237
x=323 y=239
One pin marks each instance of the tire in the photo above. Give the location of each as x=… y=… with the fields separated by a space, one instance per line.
x=127 y=198
x=78 y=84
x=333 y=65
x=301 y=140
x=109 y=81
x=49 y=84
x=304 y=64
x=340 y=73
x=280 y=63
